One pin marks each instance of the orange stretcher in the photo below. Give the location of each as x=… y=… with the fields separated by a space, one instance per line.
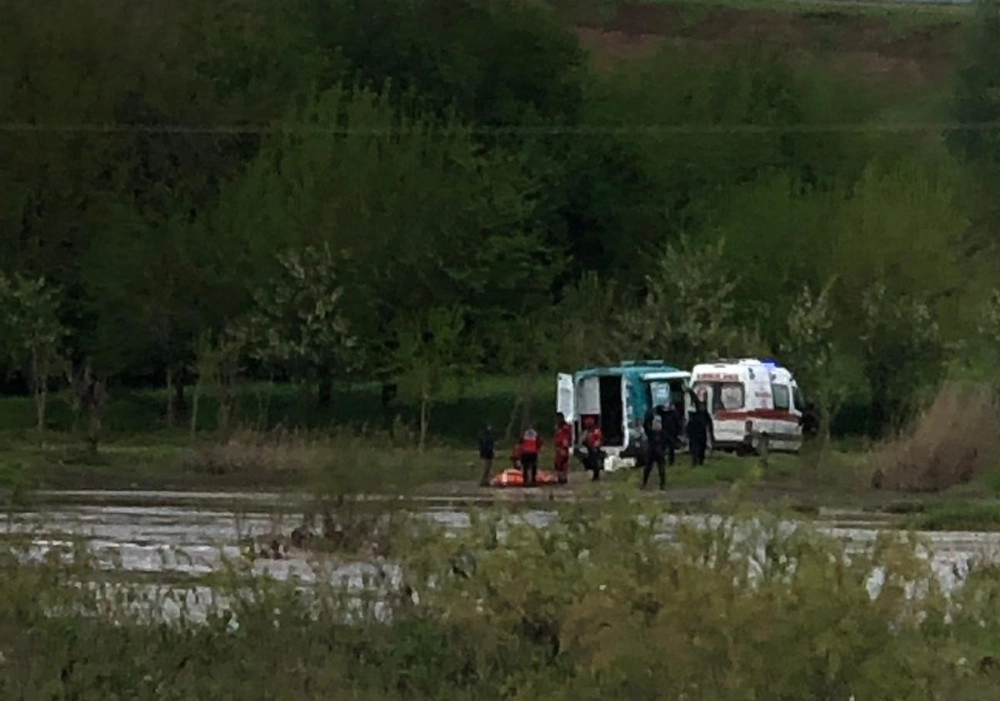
x=514 y=478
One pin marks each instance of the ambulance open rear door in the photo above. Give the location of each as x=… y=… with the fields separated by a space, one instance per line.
x=566 y=400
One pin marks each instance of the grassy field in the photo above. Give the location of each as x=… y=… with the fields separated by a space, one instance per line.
x=960 y=516
x=279 y=439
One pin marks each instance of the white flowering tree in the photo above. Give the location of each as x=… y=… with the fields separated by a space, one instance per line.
x=688 y=312
x=32 y=334
x=297 y=322
x=808 y=349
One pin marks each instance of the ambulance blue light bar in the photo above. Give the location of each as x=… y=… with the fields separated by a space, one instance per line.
x=770 y=362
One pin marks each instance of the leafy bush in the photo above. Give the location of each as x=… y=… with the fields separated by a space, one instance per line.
x=720 y=615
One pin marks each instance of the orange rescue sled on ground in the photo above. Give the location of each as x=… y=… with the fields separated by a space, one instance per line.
x=513 y=477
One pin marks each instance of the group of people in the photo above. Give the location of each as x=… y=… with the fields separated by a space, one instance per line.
x=658 y=440
x=525 y=452
x=659 y=437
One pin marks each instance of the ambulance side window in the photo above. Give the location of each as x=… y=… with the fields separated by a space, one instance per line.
x=730 y=396
x=800 y=402
x=782 y=397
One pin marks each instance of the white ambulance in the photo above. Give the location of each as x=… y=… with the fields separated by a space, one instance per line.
x=749 y=399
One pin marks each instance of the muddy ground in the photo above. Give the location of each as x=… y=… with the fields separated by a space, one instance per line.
x=81 y=488
x=797 y=498
x=907 y=47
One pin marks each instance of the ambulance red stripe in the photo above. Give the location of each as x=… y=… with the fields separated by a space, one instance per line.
x=769 y=414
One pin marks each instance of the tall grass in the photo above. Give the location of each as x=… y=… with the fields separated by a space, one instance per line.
x=337 y=461
x=595 y=606
x=955 y=439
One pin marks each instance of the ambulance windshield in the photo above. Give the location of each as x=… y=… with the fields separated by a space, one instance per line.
x=726 y=396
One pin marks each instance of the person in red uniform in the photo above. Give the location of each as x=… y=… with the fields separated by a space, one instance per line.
x=593 y=440
x=563 y=442
x=515 y=457
x=531 y=444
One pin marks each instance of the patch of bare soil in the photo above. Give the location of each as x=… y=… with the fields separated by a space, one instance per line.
x=869 y=44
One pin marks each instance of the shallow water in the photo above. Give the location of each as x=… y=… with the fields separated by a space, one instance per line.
x=196 y=533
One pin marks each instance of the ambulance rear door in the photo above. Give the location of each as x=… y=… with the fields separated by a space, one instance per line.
x=566 y=399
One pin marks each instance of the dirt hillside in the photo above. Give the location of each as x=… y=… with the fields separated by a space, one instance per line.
x=908 y=48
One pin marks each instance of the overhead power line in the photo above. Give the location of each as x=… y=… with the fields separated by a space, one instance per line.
x=519 y=130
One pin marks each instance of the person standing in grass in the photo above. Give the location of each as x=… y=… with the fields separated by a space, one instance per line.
x=698 y=430
x=671 y=429
x=487 y=451
x=657 y=451
x=531 y=445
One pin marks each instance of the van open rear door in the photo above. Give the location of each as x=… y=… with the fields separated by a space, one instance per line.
x=566 y=399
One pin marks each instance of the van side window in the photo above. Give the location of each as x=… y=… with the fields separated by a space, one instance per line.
x=782 y=397
x=659 y=393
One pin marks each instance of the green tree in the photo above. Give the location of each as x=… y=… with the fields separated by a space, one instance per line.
x=426 y=218
x=903 y=354
x=584 y=322
x=977 y=88
x=89 y=390
x=148 y=294
x=989 y=326
x=217 y=367
x=772 y=228
x=33 y=334
x=432 y=351
x=651 y=174
x=986 y=342
x=901 y=225
x=71 y=64
x=297 y=320
x=497 y=62
x=977 y=100
x=525 y=346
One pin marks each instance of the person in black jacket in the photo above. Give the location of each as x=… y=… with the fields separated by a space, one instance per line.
x=698 y=430
x=487 y=451
x=647 y=420
x=671 y=429
x=657 y=439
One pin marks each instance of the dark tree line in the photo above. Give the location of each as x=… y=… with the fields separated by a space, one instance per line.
x=411 y=190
